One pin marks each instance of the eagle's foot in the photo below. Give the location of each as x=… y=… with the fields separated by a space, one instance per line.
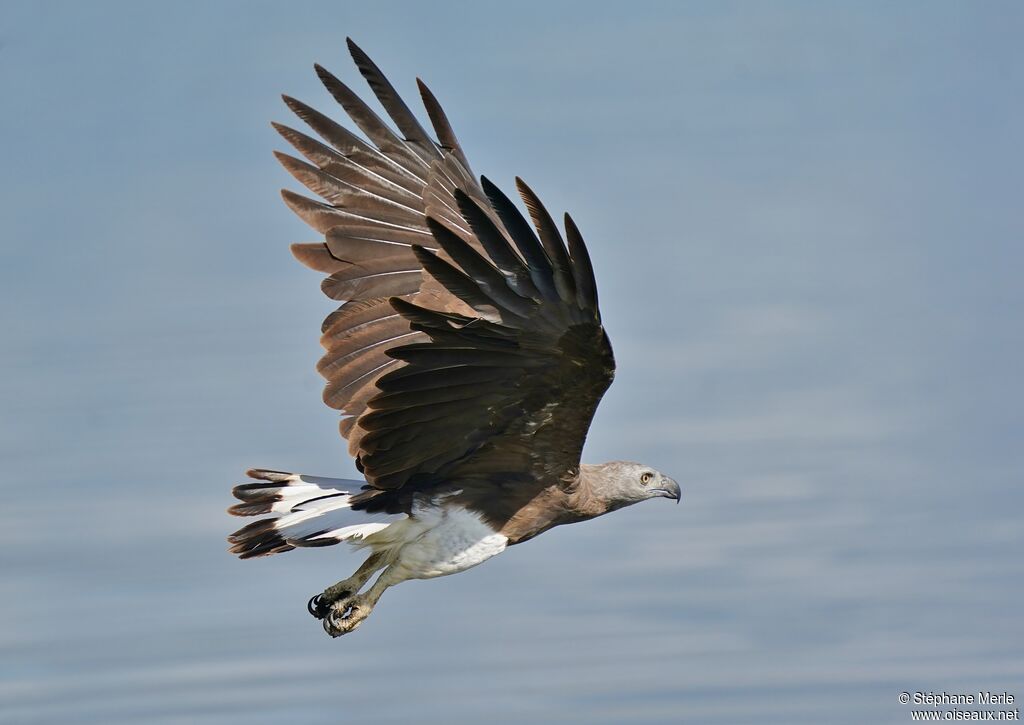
x=320 y=605
x=345 y=615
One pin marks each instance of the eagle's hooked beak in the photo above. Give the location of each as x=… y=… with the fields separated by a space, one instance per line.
x=669 y=489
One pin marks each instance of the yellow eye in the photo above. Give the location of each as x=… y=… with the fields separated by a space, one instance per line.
x=646 y=478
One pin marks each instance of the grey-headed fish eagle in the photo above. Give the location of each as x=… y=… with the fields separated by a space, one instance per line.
x=467 y=359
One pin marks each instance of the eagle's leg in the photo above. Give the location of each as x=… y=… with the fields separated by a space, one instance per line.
x=321 y=604
x=347 y=614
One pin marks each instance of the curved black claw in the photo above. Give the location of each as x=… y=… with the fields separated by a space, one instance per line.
x=331 y=629
x=318 y=606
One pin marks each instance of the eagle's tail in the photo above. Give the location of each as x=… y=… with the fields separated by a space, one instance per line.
x=310 y=511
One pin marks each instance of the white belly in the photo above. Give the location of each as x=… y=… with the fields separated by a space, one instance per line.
x=454 y=540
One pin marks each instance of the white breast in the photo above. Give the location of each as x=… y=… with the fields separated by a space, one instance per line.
x=455 y=540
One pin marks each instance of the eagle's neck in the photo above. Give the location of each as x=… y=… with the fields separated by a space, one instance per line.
x=567 y=502
x=584 y=499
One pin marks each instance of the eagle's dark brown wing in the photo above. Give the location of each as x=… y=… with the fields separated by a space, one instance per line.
x=469 y=346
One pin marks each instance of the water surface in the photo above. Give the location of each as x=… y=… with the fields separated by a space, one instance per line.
x=805 y=222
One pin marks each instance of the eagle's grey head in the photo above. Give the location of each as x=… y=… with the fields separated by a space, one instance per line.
x=623 y=483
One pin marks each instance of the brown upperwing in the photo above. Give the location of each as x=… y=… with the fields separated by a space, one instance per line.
x=487 y=369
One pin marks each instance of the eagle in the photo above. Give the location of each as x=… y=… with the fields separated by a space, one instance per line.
x=467 y=359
